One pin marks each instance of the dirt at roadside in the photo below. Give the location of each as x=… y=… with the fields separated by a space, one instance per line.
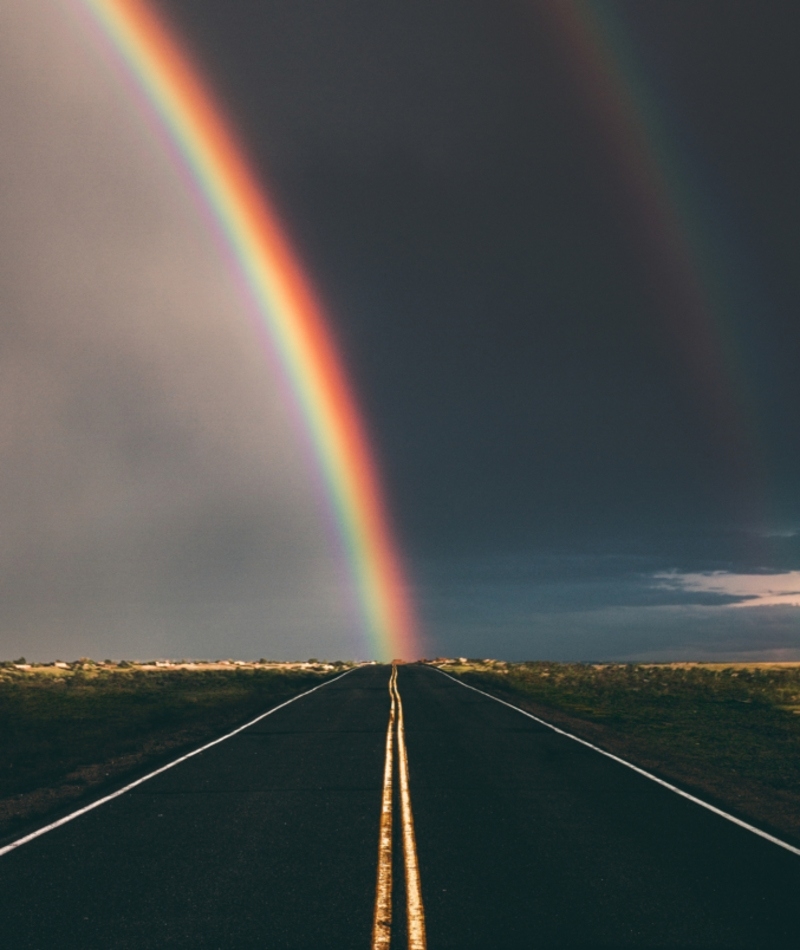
x=21 y=811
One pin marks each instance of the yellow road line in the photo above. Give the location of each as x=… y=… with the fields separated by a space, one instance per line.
x=382 y=921
x=414 y=908
x=415 y=912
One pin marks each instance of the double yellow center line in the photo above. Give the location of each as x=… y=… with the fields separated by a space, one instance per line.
x=415 y=912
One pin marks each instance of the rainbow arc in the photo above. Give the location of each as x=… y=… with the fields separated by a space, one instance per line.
x=287 y=307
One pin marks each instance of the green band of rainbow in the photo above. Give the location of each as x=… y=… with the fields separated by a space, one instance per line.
x=287 y=308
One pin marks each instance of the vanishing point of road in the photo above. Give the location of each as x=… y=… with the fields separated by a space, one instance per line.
x=394 y=809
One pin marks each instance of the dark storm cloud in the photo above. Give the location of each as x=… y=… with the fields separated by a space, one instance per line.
x=592 y=608
x=463 y=214
x=552 y=584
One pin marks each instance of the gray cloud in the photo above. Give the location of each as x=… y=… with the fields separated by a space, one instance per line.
x=155 y=495
x=600 y=607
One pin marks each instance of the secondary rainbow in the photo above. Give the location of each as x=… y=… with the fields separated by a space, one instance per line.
x=287 y=307
x=702 y=294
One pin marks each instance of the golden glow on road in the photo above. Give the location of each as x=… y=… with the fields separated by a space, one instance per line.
x=415 y=912
x=382 y=922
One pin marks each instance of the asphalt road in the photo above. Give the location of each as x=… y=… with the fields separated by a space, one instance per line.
x=525 y=839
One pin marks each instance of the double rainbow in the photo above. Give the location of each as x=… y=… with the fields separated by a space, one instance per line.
x=287 y=307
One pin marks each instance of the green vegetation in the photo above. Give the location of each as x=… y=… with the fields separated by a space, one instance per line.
x=71 y=728
x=731 y=732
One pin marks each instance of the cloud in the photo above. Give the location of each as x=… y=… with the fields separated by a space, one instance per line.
x=740 y=590
x=155 y=494
x=606 y=607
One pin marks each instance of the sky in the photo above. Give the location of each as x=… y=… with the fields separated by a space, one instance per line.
x=557 y=244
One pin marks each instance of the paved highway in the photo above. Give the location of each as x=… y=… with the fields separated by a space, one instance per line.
x=521 y=838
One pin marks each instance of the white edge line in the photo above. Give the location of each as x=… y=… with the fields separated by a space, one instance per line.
x=121 y=791
x=630 y=765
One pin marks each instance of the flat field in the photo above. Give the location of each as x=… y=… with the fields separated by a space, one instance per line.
x=66 y=732
x=728 y=732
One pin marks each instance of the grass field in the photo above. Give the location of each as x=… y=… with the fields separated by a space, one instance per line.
x=730 y=732
x=70 y=731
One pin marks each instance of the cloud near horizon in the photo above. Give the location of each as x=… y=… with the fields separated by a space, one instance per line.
x=596 y=607
x=741 y=590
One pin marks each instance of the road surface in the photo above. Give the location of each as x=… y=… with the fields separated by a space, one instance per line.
x=522 y=839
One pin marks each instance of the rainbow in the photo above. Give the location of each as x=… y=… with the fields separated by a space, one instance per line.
x=701 y=294
x=289 y=312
